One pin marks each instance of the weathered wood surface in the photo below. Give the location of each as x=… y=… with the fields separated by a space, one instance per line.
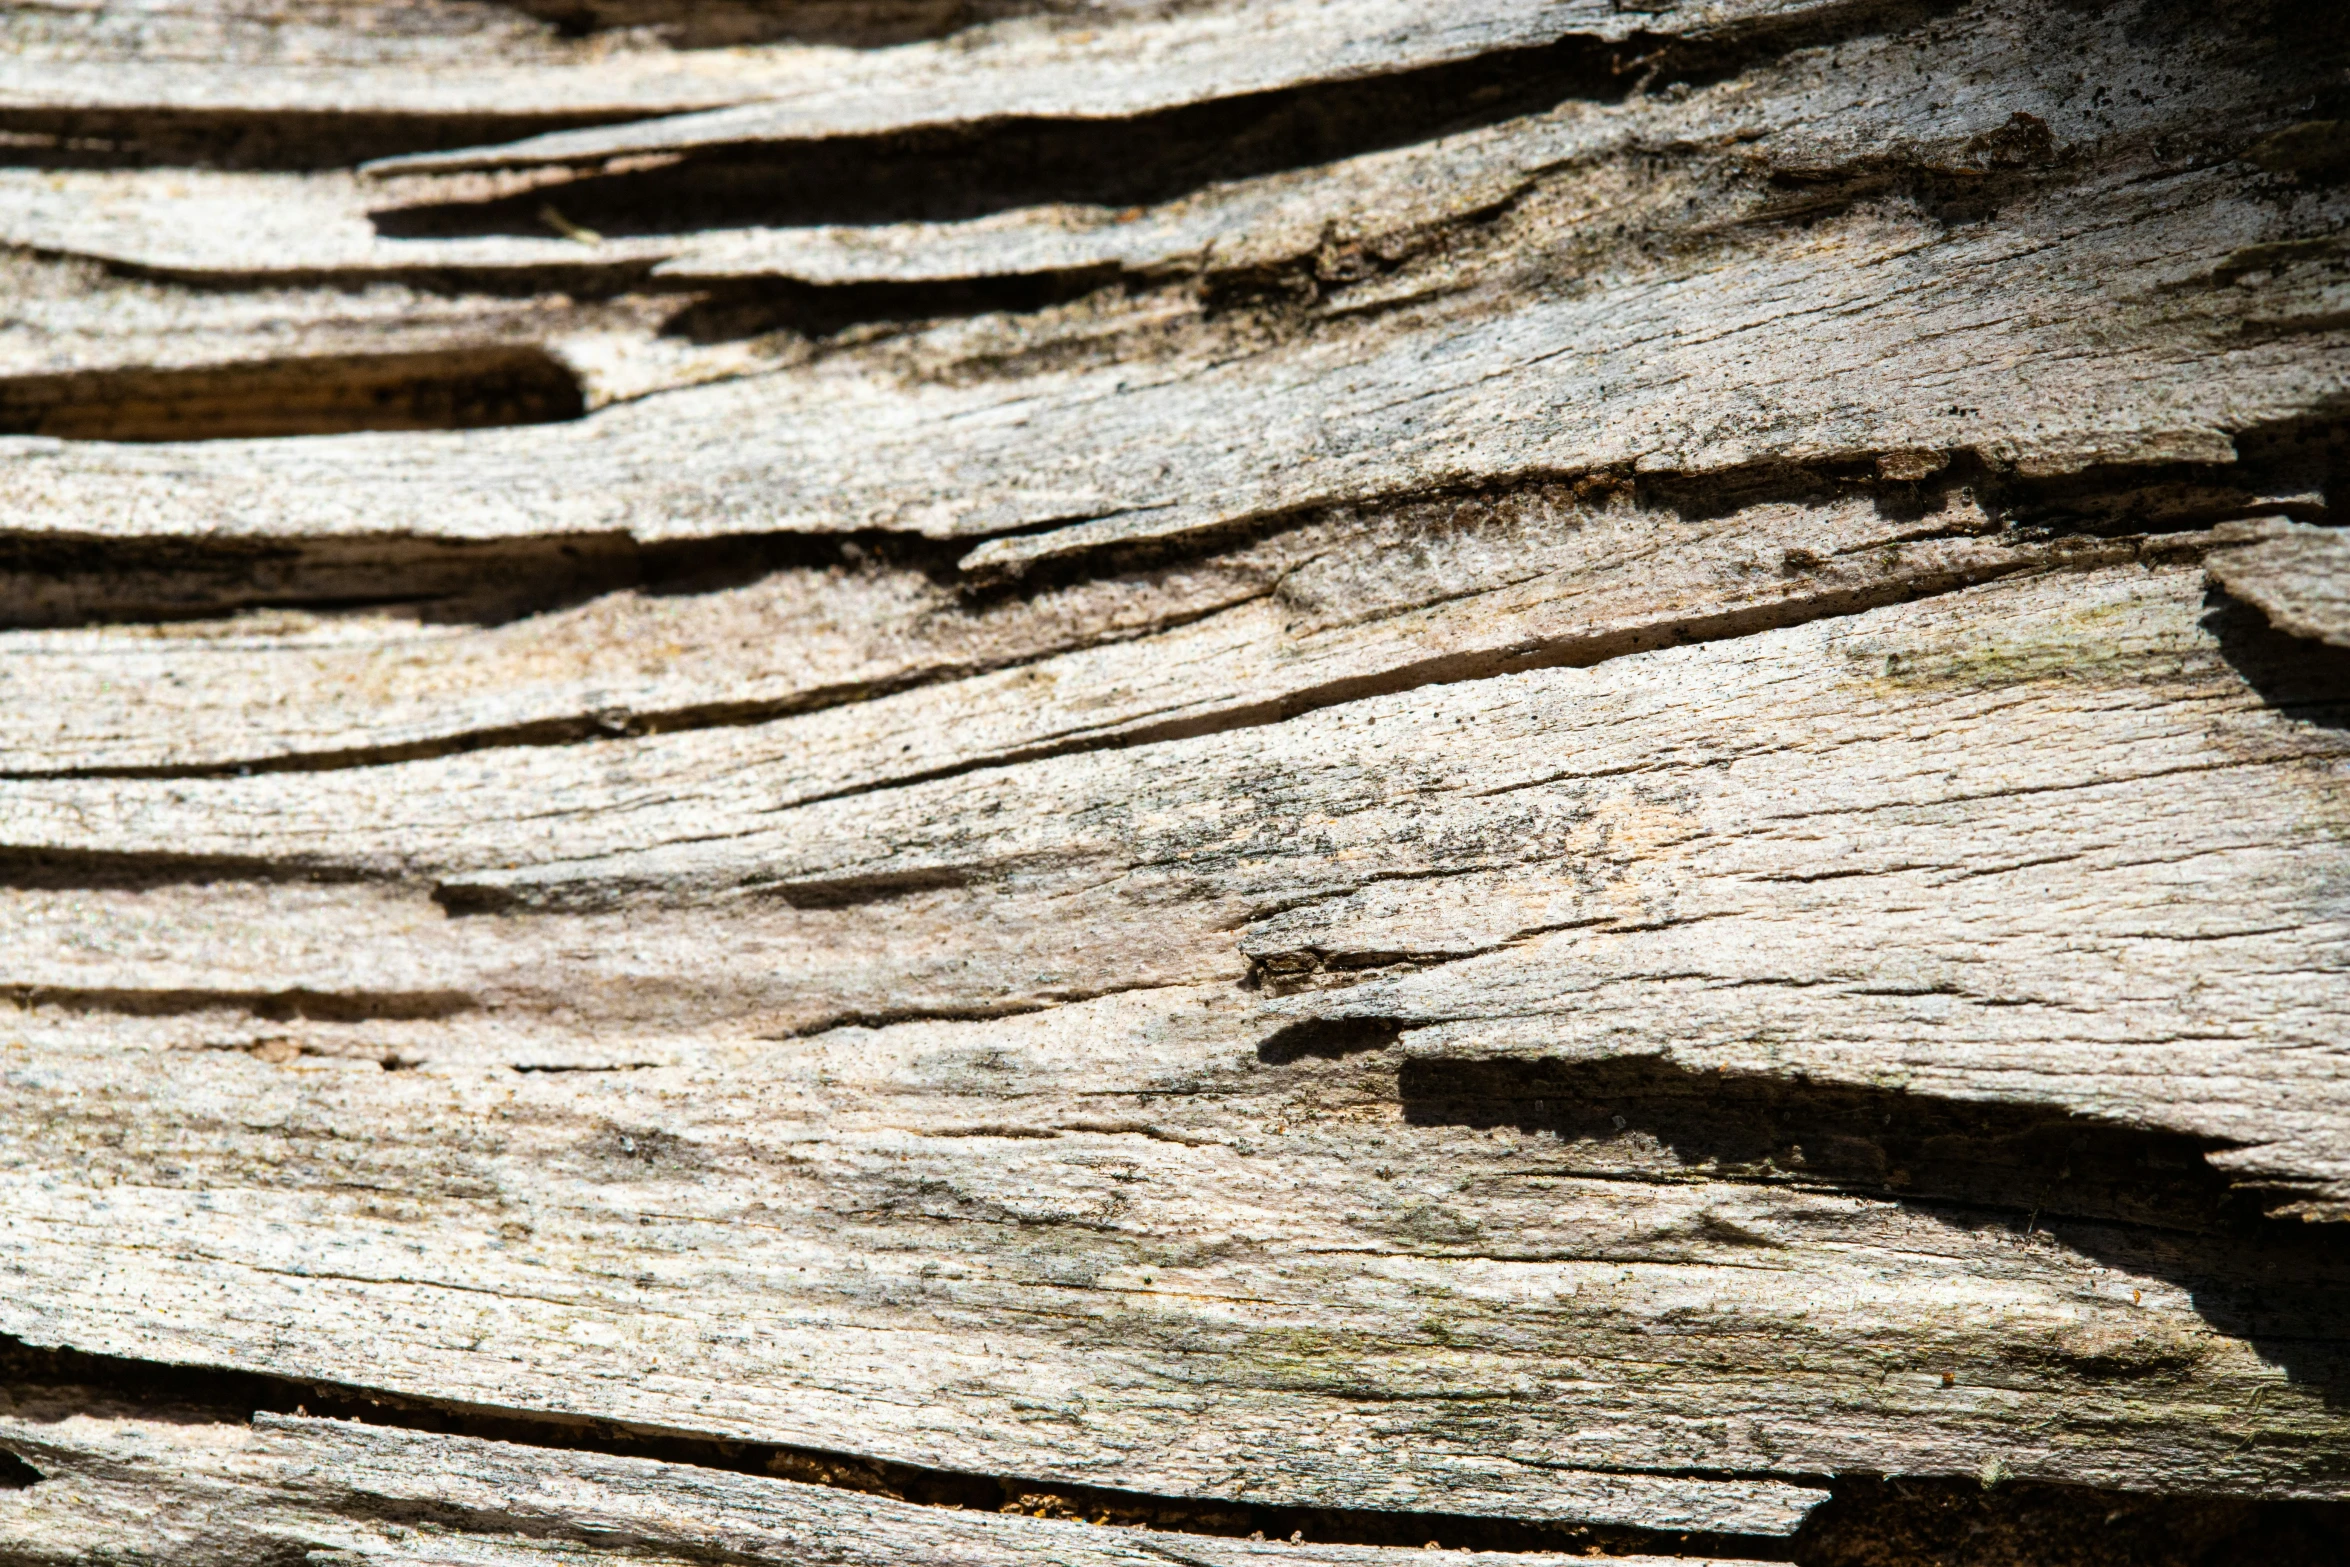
x=1198 y=54
x=2298 y=577
x=1526 y=763
x=454 y=58
x=1394 y=599
x=1414 y=379
x=237 y=1493
x=2047 y=790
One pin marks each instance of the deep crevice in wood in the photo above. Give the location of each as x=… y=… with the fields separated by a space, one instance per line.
x=341 y=1006
x=589 y=277
x=2146 y=1201
x=202 y=1394
x=226 y=138
x=60 y=579
x=52 y=579
x=2075 y=520
x=2298 y=466
x=730 y=311
x=450 y=389
x=1565 y=653
x=1867 y=1521
x=95 y=869
x=1913 y=1522
x=943 y=174
x=949 y=174
x=721 y=24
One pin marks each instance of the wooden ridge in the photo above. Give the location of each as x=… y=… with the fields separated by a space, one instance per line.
x=1061 y=781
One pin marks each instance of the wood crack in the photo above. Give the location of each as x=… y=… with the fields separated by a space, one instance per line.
x=63 y=1378
x=2067 y=528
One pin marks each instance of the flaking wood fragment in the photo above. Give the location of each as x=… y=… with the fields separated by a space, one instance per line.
x=1690 y=828
x=1436 y=824
x=256 y=227
x=73 y=317
x=1196 y=54
x=838 y=450
x=473 y=72
x=89 y=354
x=1140 y=1241
x=2297 y=576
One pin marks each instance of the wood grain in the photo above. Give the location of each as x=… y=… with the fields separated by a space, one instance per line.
x=342 y=1492
x=1712 y=840
x=1530 y=775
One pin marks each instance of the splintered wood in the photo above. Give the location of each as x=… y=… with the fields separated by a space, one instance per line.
x=1105 y=782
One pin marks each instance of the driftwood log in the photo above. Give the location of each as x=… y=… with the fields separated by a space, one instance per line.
x=1256 y=783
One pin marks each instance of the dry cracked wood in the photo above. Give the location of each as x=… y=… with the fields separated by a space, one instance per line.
x=1526 y=774
x=2213 y=323
x=1199 y=54
x=2299 y=577
x=1128 y=1242
x=223 y=1492
x=1705 y=831
x=1329 y=612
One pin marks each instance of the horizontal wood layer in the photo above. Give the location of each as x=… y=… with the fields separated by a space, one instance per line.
x=1132 y=423
x=1199 y=54
x=192 y=1491
x=1353 y=604
x=2299 y=578
x=1532 y=763
x=1200 y=1242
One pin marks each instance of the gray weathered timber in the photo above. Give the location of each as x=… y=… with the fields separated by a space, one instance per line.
x=1615 y=378
x=209 y=223
x=2010 y=748
x=198 y=1492
x=1348 y=606
x=2298 y=577
x=1168 y=1255
x=1412 y=380
x=1526 y=774
x=1732 y=824
x=1199 y=54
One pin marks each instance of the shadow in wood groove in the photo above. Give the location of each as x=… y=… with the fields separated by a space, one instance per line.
x=92 y=870
x=2300 y=678
x=949 y=174
x=229 y=138
x=276 y=1006
x=1962 y=1523
x=452 y=389
x=1868 y=1521
x=2147 y=1201
x=63 y=1377
x=52 y=579
x=1326 y=1039
x=49 y=579
x=731 y=312
x=852 y=24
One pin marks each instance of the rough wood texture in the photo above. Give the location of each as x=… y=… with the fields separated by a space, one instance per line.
x=2298 y=577
x=783 y=780
x=234 y=1493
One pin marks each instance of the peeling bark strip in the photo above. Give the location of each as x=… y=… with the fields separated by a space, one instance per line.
x=1093 y=781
